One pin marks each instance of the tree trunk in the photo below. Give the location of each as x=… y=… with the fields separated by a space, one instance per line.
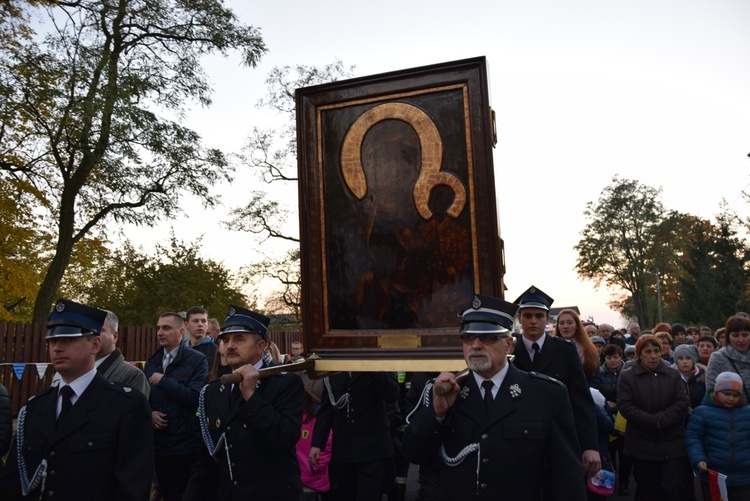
x=61 y=259
x=52 y=279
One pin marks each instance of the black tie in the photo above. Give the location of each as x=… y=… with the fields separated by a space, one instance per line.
x=66 y=392
x=487 y=385
x=237 y=397
x=535 y=347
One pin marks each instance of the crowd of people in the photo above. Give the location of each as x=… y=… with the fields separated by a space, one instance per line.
x=675 y=398
x=566 y=414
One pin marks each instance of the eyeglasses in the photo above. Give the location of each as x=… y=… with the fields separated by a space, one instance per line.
x=483 y=338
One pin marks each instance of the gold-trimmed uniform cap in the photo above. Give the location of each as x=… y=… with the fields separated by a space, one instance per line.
x=243 y=320
x=487 y=315
x=534 y=297
x=71 y=319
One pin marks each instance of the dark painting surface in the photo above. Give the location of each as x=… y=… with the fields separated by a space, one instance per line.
x=398 y=250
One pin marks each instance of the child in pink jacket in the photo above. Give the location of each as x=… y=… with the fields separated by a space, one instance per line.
x=314 y=479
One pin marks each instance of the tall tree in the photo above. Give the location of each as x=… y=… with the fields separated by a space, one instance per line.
x=88 y=112
x=622 y=242
x=272 y=152
x=140 y=286
x=716 y=274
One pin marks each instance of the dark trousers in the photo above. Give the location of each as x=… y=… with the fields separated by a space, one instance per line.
x=660 y=480
x=362 y=481
x=173 y=473
x=623 y=465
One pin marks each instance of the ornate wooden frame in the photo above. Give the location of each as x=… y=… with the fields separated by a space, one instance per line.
x=398 y=214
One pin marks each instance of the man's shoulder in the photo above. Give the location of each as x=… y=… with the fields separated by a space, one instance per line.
x=561 y=341
x=543 y=379
x=116 y=389
x=286 y=379
x=191 y=355
x=122 y=365
x=206 y=347
x=45 y=393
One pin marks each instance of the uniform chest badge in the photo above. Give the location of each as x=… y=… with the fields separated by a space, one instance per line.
x=126 y=389
x=515 y=391
x=464 y=392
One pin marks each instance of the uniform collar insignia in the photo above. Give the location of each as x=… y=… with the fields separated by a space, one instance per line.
x=464 y=392
x=515 y=391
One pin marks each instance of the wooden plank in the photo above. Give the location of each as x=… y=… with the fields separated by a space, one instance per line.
x=390 y=365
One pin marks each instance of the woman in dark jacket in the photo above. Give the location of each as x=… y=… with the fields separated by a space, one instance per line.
x=653 y=399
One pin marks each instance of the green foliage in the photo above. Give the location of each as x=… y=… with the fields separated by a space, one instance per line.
x=23 y=245
x=715 y=274
x=139 y=287
x=89 y=113
x=630 y=238
x=619 y=244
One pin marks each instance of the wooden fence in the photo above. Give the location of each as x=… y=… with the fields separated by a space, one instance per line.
x=25 y=368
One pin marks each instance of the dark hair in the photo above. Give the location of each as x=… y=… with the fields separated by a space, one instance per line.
x=180 y=322
x=195 y=310
x=737 y=323
x=611 y=350
x=709 y=339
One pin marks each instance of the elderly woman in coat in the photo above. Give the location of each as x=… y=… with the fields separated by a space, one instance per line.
x=652 y=397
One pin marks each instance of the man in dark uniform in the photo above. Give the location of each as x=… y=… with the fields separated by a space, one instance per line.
x=250 y=429
x=497 y=431
x=87 y=438
x=354 y=406
x=557 y=358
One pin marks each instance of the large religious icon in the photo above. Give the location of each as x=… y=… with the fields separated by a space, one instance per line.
x=397 y=209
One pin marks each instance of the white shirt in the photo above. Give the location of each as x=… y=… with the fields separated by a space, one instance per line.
x=497 y=380
x=78 y=386
x=527 y=343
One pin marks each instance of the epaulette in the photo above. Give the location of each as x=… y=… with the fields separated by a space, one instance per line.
x=545 y=377
x=43 y=392
x=121 y=388
x=557 y=338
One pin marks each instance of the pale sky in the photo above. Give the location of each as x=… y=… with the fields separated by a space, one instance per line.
x=583 y=90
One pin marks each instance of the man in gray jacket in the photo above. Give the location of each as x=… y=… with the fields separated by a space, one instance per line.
x=112 y=365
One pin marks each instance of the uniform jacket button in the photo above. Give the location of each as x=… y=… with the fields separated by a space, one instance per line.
x=485 y=460
x=484 y=436
x=483 y=485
